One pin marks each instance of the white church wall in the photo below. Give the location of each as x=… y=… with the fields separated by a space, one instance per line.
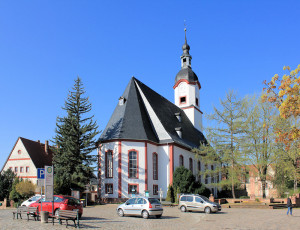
x=140 y=181
x=163 y=171
x=114 y=147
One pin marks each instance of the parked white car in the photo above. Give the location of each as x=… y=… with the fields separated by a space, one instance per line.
x=31 y=200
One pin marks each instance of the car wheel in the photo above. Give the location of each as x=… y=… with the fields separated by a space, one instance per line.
x=56 y=212
x=120 y=212
x=183 y=208
x=145 y=214
x=158 y=216
x=207 y=210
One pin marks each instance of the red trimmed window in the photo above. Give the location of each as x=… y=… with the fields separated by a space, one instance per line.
x=109 y=188
x=16 y=169
x=21 y=169
x=11 y=168
x=109 y=164
x=197 y=101
x=133 y=171
x=27 y=169
x=19 y=152
x=182 y=100
x=155 y=166
x=133 y=189
x=181 y=162
x=191 y=164
x=155 y=189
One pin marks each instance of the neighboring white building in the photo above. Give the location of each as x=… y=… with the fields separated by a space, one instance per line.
x=26 y=156
x=147 y=137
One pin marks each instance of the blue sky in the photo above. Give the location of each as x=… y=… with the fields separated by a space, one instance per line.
x=45 y=45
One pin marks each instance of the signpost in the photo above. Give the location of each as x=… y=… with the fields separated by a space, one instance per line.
x=40 y=182
x=49 y=187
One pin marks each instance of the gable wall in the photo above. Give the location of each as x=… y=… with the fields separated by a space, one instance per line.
x=21 y=160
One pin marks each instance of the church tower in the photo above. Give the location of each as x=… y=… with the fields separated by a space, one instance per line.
x=187 y=87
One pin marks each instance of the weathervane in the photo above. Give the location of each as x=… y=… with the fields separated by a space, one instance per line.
x=185 y=29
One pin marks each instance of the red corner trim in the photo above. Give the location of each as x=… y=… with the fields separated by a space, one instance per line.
x=171 y=154
x=146 y=167
x=186 y=81
x=192 y=106
x=119 y=169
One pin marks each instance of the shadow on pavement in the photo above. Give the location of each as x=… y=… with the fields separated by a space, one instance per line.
x=169 y=217
x=91 y=218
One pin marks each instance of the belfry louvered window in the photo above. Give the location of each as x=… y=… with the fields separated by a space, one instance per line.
x=109 y=164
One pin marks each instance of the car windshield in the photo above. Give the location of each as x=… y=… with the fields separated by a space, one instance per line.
x=35 y=198
x=205 y=198
x=153 y=201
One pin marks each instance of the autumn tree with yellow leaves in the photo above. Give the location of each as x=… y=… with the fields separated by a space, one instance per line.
x=284 y=93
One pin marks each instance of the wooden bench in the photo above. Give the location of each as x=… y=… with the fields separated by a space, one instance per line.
x=68 y=215
x=20 y=210
x=33 y=212
x=29 y=211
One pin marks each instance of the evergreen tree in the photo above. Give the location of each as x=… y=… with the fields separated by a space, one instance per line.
x=75 y=140
x=6 y=181
x=14 y=195
x=170 y=194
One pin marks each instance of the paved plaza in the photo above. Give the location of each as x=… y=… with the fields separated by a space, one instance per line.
x=105 y=217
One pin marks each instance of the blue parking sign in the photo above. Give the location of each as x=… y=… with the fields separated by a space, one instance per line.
x=41 y=173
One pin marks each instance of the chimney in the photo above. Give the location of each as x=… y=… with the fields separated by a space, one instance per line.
x=46 y=147
x=38 y=141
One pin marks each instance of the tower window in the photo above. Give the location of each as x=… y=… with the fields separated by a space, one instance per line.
x=184 y=60
x=197 y=101
x=182 y=100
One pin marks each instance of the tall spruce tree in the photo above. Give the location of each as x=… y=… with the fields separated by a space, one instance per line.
x=75 y=140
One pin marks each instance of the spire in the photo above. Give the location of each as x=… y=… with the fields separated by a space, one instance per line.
x=185 y=57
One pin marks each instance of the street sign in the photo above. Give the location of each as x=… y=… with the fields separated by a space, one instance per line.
x=41 y=173
x=40 y=182
x=49 y=183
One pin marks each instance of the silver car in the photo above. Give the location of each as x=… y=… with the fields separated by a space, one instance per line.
x=191 y=202
x=141 y=206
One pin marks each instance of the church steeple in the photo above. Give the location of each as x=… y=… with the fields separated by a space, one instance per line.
x=186 y=88
x=186 y=58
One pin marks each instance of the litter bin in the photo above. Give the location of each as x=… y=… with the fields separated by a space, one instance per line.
x=44 y=216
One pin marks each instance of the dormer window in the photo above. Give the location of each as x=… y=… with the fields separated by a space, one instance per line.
x=178 y=131
x=178 y=116
x=122 y=101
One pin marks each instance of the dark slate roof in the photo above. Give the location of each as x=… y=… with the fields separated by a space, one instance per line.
x=36 y=151
x=146 y=115
x=187 y=74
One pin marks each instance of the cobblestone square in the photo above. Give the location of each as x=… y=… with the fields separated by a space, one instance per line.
x=105 y=217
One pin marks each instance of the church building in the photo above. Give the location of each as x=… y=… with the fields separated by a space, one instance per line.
x=147 y=137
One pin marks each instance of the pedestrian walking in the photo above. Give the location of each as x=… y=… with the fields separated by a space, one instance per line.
x=289 y=206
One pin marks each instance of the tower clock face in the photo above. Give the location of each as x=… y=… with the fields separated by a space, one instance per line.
x=182 y=88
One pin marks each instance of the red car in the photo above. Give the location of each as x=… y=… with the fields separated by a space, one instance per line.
x=61 y=202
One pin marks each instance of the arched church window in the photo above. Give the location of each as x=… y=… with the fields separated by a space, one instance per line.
x=191 y=164
x=181 y=163
x=133 y=164
x=109 y=164
x=155 y=166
